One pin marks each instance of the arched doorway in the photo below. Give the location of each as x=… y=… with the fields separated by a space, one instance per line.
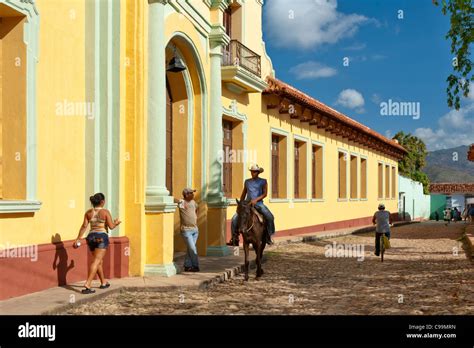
x=184 y=127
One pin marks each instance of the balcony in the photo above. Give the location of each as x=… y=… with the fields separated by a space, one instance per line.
x=241 y=69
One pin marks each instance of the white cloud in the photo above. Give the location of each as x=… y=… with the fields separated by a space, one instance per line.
x=351 y=99
x=454 y=129
x=309 y=23
x=376 y=99
x=378 y=57
x=470 y=96
x=356 y=47
x=312 y=70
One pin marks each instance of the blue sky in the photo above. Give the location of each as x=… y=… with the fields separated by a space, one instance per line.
x=406 y=60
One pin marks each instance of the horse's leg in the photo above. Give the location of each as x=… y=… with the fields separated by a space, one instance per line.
x=258 y=246
x=262 y=247
x=246 y=267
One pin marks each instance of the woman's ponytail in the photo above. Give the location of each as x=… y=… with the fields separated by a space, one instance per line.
x=96 y=199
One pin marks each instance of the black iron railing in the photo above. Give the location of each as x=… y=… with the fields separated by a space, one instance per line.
x=238 y=54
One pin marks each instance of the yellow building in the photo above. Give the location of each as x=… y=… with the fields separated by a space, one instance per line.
x=93 y=100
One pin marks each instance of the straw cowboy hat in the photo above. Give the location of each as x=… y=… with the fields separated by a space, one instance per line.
x=256 y=168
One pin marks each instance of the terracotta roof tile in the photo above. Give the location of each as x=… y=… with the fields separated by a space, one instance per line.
x=470 y=153
x=451 y=188
x=276 y=86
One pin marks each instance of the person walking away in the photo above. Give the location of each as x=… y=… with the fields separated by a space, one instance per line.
x=436 y=216
x=382 y=219
x=471 y=214
x=447 y=216
x=464 y=214
x=455 y=215
x=188 y=212
x=100 y=221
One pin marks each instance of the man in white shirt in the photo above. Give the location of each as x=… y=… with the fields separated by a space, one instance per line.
x=382 y=219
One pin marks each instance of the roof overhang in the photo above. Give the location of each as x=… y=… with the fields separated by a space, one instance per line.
x=325 y=117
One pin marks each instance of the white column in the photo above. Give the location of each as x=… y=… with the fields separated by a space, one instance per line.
x=157 y=195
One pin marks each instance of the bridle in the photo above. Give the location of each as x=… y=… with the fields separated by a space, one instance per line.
x=253 y=223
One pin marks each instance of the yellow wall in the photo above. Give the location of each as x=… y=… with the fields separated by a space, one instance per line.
x=61 y=144
x=60 y=76
x=296 y=214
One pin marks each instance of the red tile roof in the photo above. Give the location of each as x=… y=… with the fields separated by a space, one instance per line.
x=452 y=188
x=470 y=153
x=283 y=89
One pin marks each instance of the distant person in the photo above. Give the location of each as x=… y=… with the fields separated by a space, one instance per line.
x=382 y=219
x=188 y=212
x=436 y=214
x=471 y=214
x=97 y=239
x=447 y=216
x=465 y=213
x=455 y=214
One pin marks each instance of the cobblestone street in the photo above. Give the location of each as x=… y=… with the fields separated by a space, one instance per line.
x=425 y=272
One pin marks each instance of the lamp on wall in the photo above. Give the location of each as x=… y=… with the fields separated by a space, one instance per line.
x=176 y=64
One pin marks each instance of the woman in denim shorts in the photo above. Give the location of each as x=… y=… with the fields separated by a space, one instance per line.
x=97 y=239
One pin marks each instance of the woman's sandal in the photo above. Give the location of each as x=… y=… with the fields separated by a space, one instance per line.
x=87 y=290
x=104 y=286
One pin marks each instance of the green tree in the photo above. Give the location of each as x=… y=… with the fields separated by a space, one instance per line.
x=461 y=34
x=412 y=164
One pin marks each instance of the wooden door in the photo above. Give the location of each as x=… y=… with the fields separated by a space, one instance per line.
x=297 y=171
x=227 y=165
x=275 y=166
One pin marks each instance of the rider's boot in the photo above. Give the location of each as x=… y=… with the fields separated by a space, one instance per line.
x=234 y=241
x=269 y=239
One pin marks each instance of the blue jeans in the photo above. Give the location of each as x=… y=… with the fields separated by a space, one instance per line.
x=262 y=209
x=97 y=240
x=190 y=237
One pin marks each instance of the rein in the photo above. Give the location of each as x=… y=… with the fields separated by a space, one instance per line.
x=253 y=222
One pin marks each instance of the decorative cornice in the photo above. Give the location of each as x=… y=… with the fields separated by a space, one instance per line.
x=8 y=207
x=233 y=111
x=220 y=4
x=333 y=121
x=237 y=74
x=163 y=2
x=218 y=36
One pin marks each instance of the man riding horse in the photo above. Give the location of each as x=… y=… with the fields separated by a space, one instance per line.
x=255 y=190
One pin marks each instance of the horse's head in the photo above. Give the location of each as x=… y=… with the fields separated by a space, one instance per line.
x=244 y=214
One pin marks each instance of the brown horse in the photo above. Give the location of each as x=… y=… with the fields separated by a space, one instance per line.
x=254 y=232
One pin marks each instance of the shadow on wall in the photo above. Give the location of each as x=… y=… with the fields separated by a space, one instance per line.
x=60 y=262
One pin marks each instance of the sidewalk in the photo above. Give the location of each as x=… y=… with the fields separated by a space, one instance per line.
x=213 y=270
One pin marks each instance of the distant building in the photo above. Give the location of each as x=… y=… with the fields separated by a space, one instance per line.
x=413 y=204
x=470 y=153
x=451 y=195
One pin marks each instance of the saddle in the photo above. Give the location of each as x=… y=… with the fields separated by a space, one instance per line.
x=259 y=216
